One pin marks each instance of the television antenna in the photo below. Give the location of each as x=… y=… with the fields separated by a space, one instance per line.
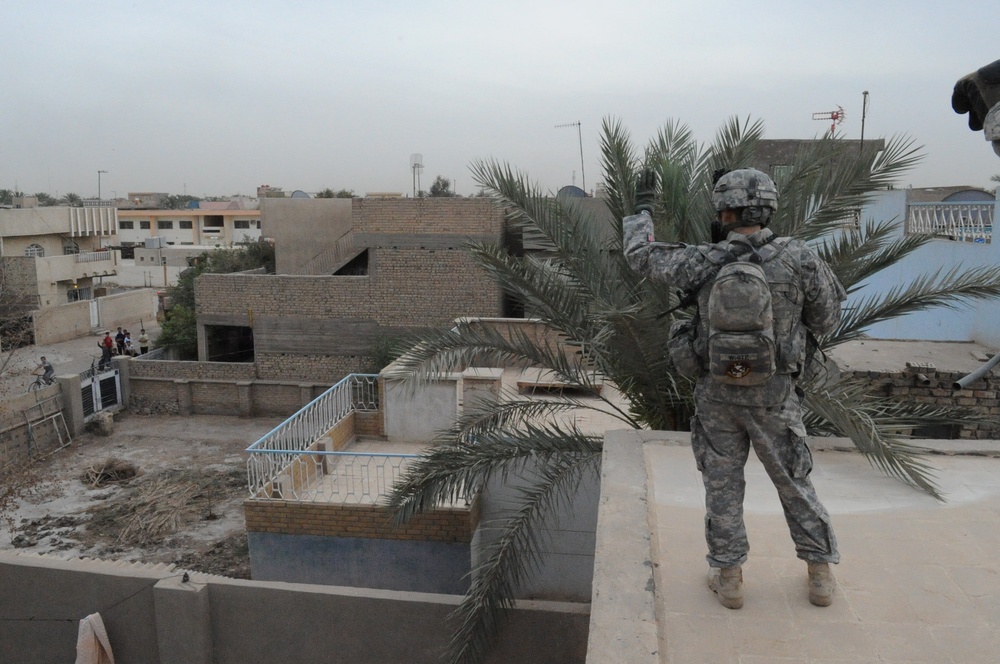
x=835 y=117
x=579 y=133
x=416 y=165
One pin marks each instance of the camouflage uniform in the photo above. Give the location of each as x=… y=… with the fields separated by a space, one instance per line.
x=731 y=418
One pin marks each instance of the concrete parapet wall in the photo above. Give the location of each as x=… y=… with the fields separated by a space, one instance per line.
x=154 y=616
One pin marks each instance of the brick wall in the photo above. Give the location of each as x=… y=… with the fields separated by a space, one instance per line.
x=405 y=288
x=321 y=328
x=362 y=521
x=459 y=216
x=981 y=398
x=172 y=370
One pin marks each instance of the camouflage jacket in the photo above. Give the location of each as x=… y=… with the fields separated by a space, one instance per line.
x=805 y=294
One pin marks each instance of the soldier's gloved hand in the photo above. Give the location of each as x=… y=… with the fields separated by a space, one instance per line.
x=976 y=93
x=645 y=191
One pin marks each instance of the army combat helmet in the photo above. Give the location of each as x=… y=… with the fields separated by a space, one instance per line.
x=749 y=192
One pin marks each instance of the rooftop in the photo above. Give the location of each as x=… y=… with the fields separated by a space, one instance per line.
x=918 y=580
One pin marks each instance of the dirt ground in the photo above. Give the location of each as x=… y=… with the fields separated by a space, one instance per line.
x=159 y=489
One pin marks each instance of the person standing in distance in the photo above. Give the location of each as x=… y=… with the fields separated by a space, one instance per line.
x=764 y=411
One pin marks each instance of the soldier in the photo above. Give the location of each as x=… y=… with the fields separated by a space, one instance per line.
x=743 y=404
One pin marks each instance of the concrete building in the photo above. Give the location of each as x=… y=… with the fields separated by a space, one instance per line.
x=54 y=255
x=210 y=227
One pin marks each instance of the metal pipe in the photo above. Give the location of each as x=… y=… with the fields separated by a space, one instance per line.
x=962 y=383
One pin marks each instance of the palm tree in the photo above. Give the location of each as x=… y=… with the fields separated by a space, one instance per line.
x=583 y=290
x=72 y=200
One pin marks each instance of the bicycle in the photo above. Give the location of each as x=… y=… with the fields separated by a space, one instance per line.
x=40 y=382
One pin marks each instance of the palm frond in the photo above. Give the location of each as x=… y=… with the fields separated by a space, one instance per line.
x=949 y=290
x=849 y=411
x=618 y=161
x=857 y=254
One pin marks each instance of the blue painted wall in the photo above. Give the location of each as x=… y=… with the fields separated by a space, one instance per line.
x=979 y=321
x=430 y=567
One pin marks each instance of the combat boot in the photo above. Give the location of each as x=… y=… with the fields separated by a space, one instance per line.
x=727 y=583
x=820 y=584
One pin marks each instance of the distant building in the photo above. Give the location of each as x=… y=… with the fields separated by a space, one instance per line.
x=202 y=226
x=54 y=255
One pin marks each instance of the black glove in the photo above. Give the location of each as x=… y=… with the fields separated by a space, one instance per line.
x=645 y=191
x=976 y=93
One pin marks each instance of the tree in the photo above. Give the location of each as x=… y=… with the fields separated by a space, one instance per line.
x=71 y=199
x=179 y=329
x=330 y=193
x=44 y=199
x=7 y=196
x=441 y=187
x=583 y=289
x=178 y=202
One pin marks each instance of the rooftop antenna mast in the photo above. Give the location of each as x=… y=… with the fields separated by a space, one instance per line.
x=416 y=165
x=835 y=118
x=579 y=133
x=864 y=114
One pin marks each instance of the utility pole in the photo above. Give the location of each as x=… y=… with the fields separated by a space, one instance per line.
x=579 y=133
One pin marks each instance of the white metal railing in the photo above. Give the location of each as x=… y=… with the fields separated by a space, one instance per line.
x=93 y=256
x=282 y=446
x=328 y=477
x=967 y=222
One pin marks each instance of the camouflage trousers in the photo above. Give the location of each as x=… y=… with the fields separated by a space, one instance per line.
x=721 y=436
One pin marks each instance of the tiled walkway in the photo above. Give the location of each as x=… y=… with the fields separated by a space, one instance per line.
x=919 y=580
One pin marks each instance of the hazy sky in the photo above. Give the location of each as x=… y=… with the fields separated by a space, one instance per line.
x=216 y=98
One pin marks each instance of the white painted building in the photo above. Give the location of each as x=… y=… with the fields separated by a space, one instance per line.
x=201 y=227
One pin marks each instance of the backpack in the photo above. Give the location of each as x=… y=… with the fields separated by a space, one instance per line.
x=741 y=346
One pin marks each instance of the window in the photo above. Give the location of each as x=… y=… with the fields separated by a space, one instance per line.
x=126 y=225
x=70 y=248
x=184 y=224
x=144 y=225
x=164 y=224
x=241 y=223
x=34 y=250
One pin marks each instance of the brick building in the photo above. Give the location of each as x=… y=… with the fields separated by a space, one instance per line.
x=361 y=272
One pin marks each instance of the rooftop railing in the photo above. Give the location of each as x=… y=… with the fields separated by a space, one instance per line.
x=966 y=222
x=290 y=462
x=327 y=477
x=93 y=256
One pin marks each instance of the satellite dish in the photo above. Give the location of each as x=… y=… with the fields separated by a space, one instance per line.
x=416 y=165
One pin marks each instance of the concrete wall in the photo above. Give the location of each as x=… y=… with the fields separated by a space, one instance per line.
x=973 y=322
x=153 y=616
x=303 y=229
x=420 y=415
x=72 y=320
x=567 y=536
